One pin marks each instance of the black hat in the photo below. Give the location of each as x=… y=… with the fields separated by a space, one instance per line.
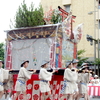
x=2 y=61
x=24 y=62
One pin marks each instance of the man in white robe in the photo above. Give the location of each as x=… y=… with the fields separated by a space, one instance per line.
x=76 y=91
x=23 y=76
x=3 y=75
x=8 y=85
x=45 y=77
x=84 y=79
x=70 y=77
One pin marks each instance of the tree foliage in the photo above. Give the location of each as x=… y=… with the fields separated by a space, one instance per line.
x=97 y=62
x=1 y=51
x=56 y=17
x=28 y=17
x=80 y=57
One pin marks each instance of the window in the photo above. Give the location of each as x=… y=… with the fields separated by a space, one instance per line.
x=67 y=8
x=99 y=5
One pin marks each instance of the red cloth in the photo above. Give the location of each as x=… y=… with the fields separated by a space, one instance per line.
x=94 y=90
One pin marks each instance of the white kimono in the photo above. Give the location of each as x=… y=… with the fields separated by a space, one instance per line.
x=3 y=76
x=44 y=77
x=70 y=78
x=9 y=82
x=23 y=76
x=84 y=80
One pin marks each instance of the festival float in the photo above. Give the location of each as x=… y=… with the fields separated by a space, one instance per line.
x=52 y=43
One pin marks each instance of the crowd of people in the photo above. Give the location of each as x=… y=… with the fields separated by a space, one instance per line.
x=94 y=81
x=75 y=81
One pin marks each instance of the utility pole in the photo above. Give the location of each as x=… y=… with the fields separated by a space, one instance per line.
x=96 y=31
x=94 y=34
x=91 y=40
x=98 y=35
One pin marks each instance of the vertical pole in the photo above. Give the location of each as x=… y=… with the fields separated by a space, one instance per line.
x=98 y=36
x=94 y=34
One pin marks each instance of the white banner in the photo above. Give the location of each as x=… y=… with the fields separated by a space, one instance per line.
x=78 y=32
x=34 y=50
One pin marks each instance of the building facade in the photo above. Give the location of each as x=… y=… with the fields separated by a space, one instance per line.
x=86 y=12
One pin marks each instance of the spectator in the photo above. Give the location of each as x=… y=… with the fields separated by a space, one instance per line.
x=97 y=81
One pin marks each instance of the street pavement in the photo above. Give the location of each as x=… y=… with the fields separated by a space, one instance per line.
x=3 y=98
x=95 y=98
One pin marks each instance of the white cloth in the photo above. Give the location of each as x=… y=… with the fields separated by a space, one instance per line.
x=44 y=87
x=23 y=75
x=3 y=75
x=9 y=82
x=84 y=80
x=71 y=77
x=34 y=50
x=0 y=70
x=45 y=75
x=20 y=87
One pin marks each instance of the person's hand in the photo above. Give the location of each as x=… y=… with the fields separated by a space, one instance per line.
x=87 y=70
x=53 y=71
x=83 y=71
x=34 y=70
x=10 y=69
x=31 y=70
x=56 y=70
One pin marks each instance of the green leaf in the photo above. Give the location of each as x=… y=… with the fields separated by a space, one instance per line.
x=80 y=57
x=28 y=17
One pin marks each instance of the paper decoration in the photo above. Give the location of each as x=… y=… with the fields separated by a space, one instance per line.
x=78 y=32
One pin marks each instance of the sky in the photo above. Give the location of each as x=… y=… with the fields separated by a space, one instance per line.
x=8 y=10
